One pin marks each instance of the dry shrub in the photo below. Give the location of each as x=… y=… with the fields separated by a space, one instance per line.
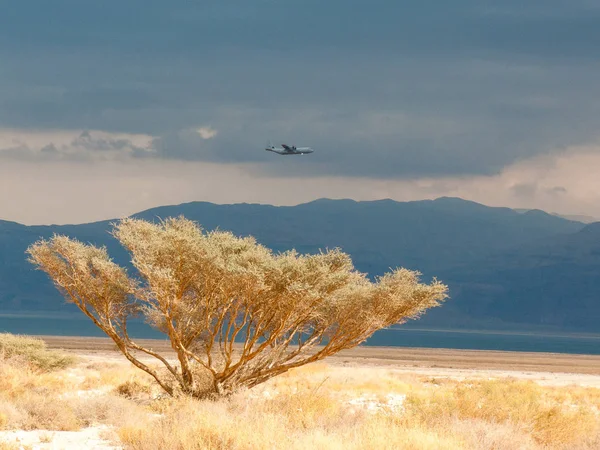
x=17 y=379
x=107 y=409
x=245 y=424
x=11 y=415
x=481 y=435
x=239 y=423
x=33 y=351
x=111 y=374
x=524 y=405
x=31 y=399
x=35 y=412
x=381 y=433
x=190 y=425
x=46 y=413
x=576 y=395
x=308 y=411
x=133 y=389
x=562 y=427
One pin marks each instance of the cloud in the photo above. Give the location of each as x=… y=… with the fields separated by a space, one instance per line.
x=386 y=89
x=71 y=145
x=524 y=190
x=206 y=132
x=492 y=101
x=75 y=192
x=557 y=190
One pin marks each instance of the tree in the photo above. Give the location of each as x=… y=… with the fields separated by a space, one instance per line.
x=236 y=314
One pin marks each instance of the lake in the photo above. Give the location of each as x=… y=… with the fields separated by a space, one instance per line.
x=394 y=337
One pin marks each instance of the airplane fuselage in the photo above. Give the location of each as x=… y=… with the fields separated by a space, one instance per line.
x=287 y=150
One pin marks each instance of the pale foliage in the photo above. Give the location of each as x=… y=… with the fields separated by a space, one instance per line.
x=32 y=351
x=236 y=314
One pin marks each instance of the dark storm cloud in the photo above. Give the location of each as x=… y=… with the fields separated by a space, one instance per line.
x=380 y=88
x=91 y=143
x=84 y=147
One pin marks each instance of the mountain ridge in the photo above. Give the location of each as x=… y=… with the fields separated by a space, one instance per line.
x=477 y=250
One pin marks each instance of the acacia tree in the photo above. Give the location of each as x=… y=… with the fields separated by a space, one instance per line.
x=235 y=313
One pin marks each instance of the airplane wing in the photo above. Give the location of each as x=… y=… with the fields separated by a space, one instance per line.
x=287 y=147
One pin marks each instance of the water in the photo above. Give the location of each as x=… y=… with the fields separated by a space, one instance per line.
x=474 y=340
x=395 y=337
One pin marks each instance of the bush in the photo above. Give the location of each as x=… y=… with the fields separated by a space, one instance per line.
x=33 y=351
x=133 y=389
x=236 y=313
x=523 y=404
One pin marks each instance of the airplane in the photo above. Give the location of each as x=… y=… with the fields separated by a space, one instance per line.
x=289 y=150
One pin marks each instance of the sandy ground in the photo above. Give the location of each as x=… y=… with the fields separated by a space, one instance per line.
x=88 y=438
x=549 y=369
x=546 y=368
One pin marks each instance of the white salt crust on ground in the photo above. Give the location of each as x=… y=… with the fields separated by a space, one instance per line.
x=87 y=438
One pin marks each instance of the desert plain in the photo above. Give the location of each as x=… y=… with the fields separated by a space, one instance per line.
x=366 y=397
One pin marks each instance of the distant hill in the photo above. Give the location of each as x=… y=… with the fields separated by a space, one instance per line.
x=425 y=235
x=498 y=262
x=576 y=217
x=549 y=281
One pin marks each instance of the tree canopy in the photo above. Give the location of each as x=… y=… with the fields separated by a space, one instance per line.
x=235 y=312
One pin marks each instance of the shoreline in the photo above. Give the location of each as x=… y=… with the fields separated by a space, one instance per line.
x=405 y=358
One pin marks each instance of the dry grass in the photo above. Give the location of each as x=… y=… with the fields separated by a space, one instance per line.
x=32 y=398
x=524 y=407
x=312 y=407
x=33 y=351
x=29 y=397
x=309 y=409
x=190 y=424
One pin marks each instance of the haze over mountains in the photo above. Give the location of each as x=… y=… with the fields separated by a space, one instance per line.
x=505 y=268
x=576 y=217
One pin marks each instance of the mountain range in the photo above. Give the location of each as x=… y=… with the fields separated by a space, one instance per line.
x=576 y=217
x=506 y=269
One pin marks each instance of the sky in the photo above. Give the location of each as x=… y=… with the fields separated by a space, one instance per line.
x=109 y=108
